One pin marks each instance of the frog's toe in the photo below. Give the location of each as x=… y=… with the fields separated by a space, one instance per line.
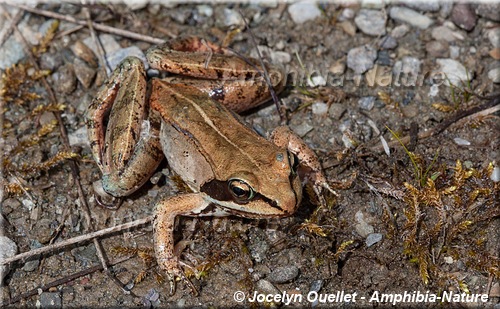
x=105 y=199
x=175 y=273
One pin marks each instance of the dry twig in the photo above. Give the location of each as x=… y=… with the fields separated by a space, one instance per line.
x=97 y=26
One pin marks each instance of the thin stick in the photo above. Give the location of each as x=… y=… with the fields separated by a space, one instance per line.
x=100 y=49
x=100 y=27
x=8 y=30
x=77 y=239
x=58 y=282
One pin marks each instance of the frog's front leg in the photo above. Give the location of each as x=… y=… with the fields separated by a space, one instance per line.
x=165 y=212
x=127 y=150
x=286 y=138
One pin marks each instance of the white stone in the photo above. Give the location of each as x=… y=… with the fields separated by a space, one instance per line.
x=454 y=71
x=303 y=11
x=410 y=16
x=319 y=108
x=8 y=249
x=494 y=36
x=371 y=22
x=494 y=75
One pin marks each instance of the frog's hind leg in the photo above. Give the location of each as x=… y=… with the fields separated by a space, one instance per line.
x=126 y=149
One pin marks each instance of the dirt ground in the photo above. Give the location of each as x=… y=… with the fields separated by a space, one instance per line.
x=391 y=230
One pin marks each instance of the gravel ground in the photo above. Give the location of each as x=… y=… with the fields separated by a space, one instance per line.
x=356 y=72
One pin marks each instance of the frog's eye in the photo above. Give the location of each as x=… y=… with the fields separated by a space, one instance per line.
x=240 y=190
x=293 y=161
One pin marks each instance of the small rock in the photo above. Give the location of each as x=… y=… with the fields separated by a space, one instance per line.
x=136 y=5
x=494 y=75
x=494 y=36
x=367 y=103
x=410 y=16
x=446 y=7
x=388 y=42
x=266 y=287
x=384 y=58
x=463 y=16
x=338 y=67
x=30 y=266
x=303 y=128
x=232 y=18
x=490 y=10
x=64 y=79
x=495 y=290
x=424 y=6
x=373 y=239
x=408 y=65
x=336 y=110
x=448 y=259
x=454 y=51
x=44 y=228
x=79 y=137
x=400 y=31
x=303 y=11
x=361 y=59
x=205 y=10
x=461 y=142
x=371 y=22
x=316 y=81
x=495 y=53
x=437 y=49
x=10 y=53
x=84 y=73
x=8 y=248
x=454 y=70
x=362 y=227
x=495 y=174
x=85 y=255
x=283 y=274
x=443 y=33
x=319 y=108
x=316 y=285
x=50 y=300
x=372 y=4
x=348 y=27
x=347 y=13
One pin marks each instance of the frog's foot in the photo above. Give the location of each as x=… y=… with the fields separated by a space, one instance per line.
x=321 y=184
x=175 y=273
x=105 y=199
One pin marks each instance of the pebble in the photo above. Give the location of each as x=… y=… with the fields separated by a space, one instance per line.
x=51 y=61
x=79 y=137
x=373 y=238
x=319 y=108
x=490 y=10
x=84 y=73
x=454 y=70
x=494 y=75
x=410 y=16
x=362 y=227
x=443 y=33
x=454 y=51
x=495 y=53
x=495 y=174
x=316 y=81
x=372 y=4
x=303 y=128
x=384 y=58
x=367 y=103
x=361 y=59
x=424 y=6
x=348 y=27
x=437 y=49
x=388 y=42
x=64 y=79
x=494 y=36
x=50 y=300
x=461 y=141
x=336 y=110
x=283 y=274
x=303 y=11
x=347 y=13
x=232 y=18
x=463 y=16
x=407 y=65
x=400 y=31
x=136 y=5
x=10 y=53
x=8 y=248
x=371 y=22
x=338 y=67
x=266 y=287
x=205 y=10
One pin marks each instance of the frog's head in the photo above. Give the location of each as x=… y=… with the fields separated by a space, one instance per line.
x=275 y=190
